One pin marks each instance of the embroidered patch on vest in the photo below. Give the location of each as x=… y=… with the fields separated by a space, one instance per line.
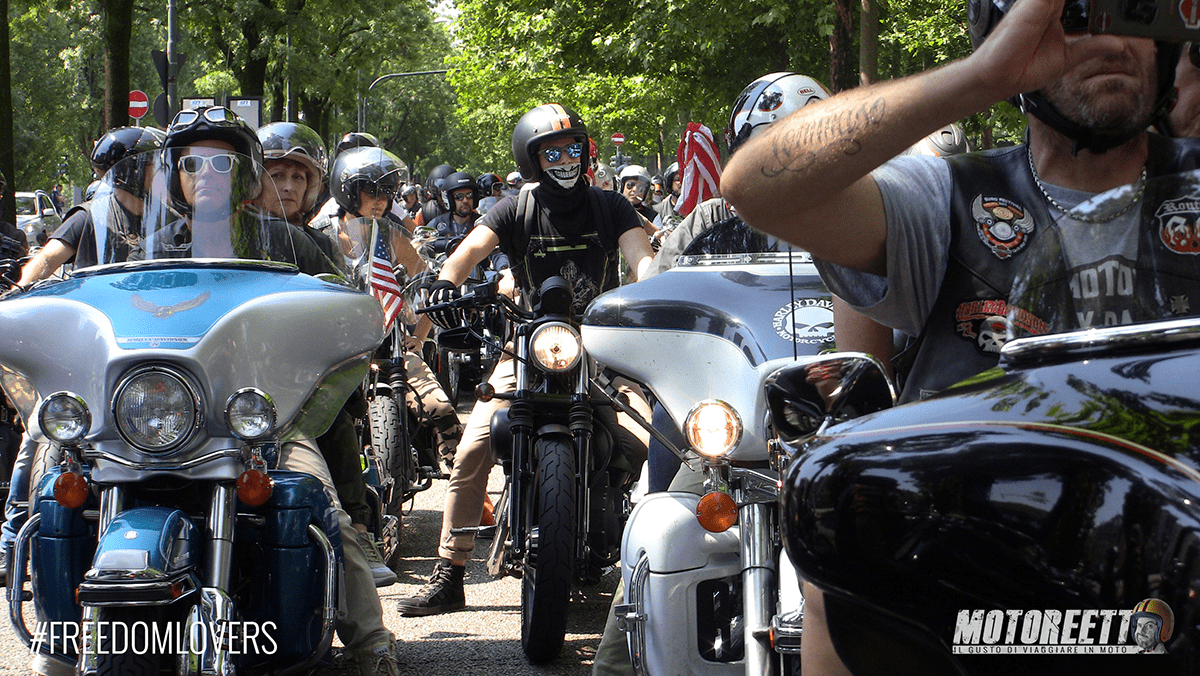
x=1002 y=225
x=1179 y=225
x=985 y=322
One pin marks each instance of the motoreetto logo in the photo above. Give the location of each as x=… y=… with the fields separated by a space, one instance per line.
x=1144 y=629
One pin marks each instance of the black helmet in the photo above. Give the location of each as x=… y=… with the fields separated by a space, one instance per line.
x=90 y=191
x=486 y=181
x=124 y=142
x=215 y=123
x=298 y=143
x=357 y=139
x=357 y=168
x=949 y=140
x=457 y=181
x=543 y=123
x=982 y=17
x=669 y=177
x=436 y=174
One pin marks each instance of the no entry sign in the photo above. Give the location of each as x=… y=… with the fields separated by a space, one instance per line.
x=139 y=104
x=618 y=138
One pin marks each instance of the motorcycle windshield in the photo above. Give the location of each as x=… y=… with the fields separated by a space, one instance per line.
x=1110 y=262
x=366 y=248
x=194 y=203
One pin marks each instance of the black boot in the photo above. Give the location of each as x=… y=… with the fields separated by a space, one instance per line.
x=443 y=592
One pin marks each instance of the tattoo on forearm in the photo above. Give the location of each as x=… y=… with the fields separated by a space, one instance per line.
x=796 y=149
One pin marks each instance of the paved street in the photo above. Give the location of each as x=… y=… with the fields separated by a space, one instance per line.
x=484 y=639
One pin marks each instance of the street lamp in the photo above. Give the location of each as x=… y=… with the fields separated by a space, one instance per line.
x=362 y=101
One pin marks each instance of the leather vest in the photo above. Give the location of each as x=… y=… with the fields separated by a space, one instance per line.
x=1002 y=230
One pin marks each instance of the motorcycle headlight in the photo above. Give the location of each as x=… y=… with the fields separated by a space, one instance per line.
x=156 y=409
x=556 y=347
x=250 y=414
x=65 y=418
x=713 y=428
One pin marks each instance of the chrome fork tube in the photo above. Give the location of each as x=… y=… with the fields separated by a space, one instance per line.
x=758 y=585
x=221 y=517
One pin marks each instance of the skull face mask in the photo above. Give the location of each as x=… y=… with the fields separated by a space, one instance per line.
x=565 y=175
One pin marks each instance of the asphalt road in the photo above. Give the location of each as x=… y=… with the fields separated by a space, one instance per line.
x=483 y=639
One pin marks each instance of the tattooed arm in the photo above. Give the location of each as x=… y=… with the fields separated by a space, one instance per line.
x=806 y=179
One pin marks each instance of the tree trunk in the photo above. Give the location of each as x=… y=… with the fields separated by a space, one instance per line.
x=118 y=33
x=868 y=42
x=841 y=66
x=8 y=205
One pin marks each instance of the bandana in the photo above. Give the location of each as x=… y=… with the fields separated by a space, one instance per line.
x=565 y=175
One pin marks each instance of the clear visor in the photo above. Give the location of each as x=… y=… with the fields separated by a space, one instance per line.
x=195 y=202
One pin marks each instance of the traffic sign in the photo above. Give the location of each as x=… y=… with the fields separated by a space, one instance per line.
x=139 y=104
x=618 y=138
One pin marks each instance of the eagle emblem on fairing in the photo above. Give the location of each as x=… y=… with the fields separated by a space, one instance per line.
x=1003 y=226
x=166 y=311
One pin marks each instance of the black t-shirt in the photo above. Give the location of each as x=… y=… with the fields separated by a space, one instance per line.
x=16 y=235
x=78 y=232
x=571 y=241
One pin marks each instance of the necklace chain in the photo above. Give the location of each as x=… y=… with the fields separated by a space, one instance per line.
x=1137 y=196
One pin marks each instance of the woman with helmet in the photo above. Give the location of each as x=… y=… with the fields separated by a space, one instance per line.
x=560 y=227
x=213 y=150
x=127 y=152
x=294 y=158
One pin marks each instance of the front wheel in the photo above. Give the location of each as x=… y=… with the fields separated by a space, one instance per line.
x=390 y=442
x=550 y=563
x=124 y=653
x=449 y=375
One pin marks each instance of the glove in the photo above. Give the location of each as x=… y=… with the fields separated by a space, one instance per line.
x=443 y=291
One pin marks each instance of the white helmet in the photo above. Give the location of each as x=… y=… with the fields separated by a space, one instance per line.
x=949 y=140
x=604 y=177
x=635 y=171
x=769 y=98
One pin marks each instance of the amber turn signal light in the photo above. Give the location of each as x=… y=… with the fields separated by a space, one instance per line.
x=70 y=490
x=717 y=512
x=254 y=487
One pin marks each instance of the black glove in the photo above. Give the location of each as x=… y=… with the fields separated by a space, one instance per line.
x=443 y=291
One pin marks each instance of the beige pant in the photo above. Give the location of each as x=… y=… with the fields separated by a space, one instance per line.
x=431 y=399
x=362 y=628
x=473 y=462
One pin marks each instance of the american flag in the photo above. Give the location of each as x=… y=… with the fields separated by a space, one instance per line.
x=699 y=165
x=384 y=285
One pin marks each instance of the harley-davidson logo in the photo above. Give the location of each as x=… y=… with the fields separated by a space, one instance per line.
x=1179 y=225
x=806 y=320
x=985 y=322
x=1002 y=225
x=166 y=311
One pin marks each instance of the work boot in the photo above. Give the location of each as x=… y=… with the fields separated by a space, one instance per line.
x=384 y=576
x=443 y=592
x=379 y=660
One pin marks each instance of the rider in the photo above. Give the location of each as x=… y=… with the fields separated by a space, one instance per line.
x=574 y=231
x=635 y=186
x=491 y=187
x=73 y=240
x=667 y=217
x=910 y=243
x=211 y=133
x=435 y=205
x=460 y=193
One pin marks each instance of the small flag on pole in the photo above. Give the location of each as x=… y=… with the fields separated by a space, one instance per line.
x=384 y=285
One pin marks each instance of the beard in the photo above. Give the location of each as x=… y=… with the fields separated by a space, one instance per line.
x=1113 y=106
x=566 y=175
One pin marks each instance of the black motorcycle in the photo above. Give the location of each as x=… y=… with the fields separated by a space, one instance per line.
x=564 y=505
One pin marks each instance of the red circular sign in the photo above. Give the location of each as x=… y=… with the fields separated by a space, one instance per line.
x=618 y=138
x=139 y=104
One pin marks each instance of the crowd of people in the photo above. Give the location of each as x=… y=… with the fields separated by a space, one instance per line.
x=875 y=182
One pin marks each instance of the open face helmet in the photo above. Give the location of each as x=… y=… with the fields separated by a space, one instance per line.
x=638 y=173
x=300 y=144
x=949 y=140
x=767 y=99
x=215 y=123
x=124 y=142
x=545 y=123
x=373 y=170
x=456 y=182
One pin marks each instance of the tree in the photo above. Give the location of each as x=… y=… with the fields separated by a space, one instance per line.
x=117 y=36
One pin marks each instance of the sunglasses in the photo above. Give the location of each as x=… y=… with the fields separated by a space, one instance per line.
x=377 y=190
x=574 y=151
x=194 y=164
x=463 y=196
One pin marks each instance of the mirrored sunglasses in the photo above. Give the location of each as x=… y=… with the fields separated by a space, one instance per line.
x=194 y=164
x=463 y=196
x=574 y=151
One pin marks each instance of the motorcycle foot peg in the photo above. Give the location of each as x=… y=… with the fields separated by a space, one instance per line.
x=485 y=532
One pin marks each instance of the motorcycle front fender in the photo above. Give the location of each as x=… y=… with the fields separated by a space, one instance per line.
x=146 y=556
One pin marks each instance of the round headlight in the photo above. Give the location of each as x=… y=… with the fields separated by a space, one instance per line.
x=250 y=414
x=556 y=347
x=65 y=418
x=713 y=428
x=156 y=410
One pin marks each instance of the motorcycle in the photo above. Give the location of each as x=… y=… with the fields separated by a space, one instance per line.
x=168 y=380
x=400 y=451
x=708 y=589
x=560 y=514
x=970 y=532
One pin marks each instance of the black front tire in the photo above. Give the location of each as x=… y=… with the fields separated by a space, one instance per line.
x=389 y=440
x=546 y=585
x=129 y=662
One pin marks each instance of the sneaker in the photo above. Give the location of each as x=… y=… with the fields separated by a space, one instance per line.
x=384 y=576
x=378 y=661
x=443 y=592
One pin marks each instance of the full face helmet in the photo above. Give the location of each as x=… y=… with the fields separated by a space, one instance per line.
x=124 y=142
x=215 y=123
x=300 y=144
x=374 y=170
x=984 y=15
x=767 y=99
x=459 y=180
x=545 y=123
